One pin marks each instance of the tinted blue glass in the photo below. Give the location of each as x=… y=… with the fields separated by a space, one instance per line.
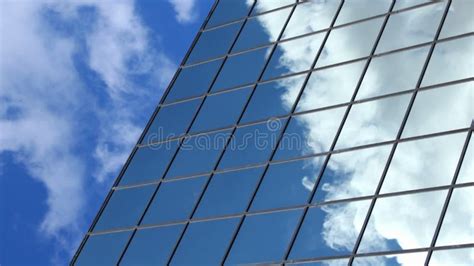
x=174 y=201
x=221 y=110
x=258 y=32
x=241 y=69
x=193 y=81
x=272 y=99
x=336 y=262
x=198 y=154
x=149 y=163
x=266 y=5
x=103 y=249
x=124 y=208
x=330 y=230
x=229 y=193
x=293 y=56
x=205 y=243
x=214 y=43
x=171 y=121
x=264 y=238
x=229 y=10
x=152 y=246
x=287 y=184
x=252 y=144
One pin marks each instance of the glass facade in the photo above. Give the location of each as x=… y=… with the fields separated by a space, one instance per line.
x=305 y=133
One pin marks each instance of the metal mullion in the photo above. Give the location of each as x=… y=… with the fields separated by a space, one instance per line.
x=450 y=193
x=400 y=131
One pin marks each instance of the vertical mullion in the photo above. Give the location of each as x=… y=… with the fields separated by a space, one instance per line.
x=399 y=134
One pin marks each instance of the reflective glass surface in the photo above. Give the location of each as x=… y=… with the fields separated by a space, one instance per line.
x=416 y=258
x=103 y=249
x=216 y=235
x=400 y=4
x=124 y=208
x=459 y=20
x=229 y=10
x=174 y=201
x=264 y=238
x=152 y=246
x=466 y=174
x=266 y=5
x=458 y=257
x=221 y=110
x=353 y=10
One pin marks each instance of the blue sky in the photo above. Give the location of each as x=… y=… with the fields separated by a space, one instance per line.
x=78 y=82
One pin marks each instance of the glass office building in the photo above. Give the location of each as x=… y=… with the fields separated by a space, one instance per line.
x=310 y=133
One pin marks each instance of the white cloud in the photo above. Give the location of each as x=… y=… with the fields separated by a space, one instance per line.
x=184 y=10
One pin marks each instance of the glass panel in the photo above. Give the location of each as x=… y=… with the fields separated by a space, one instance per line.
x=335 y=262
x=330 y=86
x=221 y=110
x=330 y=230
x=451 y=60
x=458 y=257
x=193 y=81
x=103 y=249
x=417 y=258
x=310 y=133
x=353 y=10
x=352 y=174
x=205 y=243
x=392 y=73
x=273 y=99
x=152 y=246
x=458 y=226
x=374 y=121
x=411 y=27
x=424 y=163
x=350 y=42
x=395 y=222
x=459 y=20
x=171 y=121
x=408 y=3
x=175 y=200
x=303 y=22
x=264 y=238
x=198 y=154
x=466 y=174
x=229 y=193
x=241 y=69
x=124 y=208
x=293 y=56
x=287 y=184
x=214 y=43
x=262 y=29
x=252 y=144
x=229 y=10
x=265 y=5
x=441 y=109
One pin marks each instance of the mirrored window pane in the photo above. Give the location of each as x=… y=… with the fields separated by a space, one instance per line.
x=252 y=144
x=198 y=154
x=466 y=174
x=416 y=258
x=442 y=109
x=411 y=27
x=241 y=69
x=458 y=257
x=395 y=222
x=214 y=43
x=229 y=10
x=262 y=30
x=459 y=20
x=287 y=184
x=273 y=99
x=330 y=230
x=152 y=246
x=424 y=163
x=335 y=262
x=149 y=163
x=264 y=238
x=392 y=73
x=350 y=42
x=353 y=10
x=174 y=201
x=330 y=86
x=124 y=208
x=310 y=133
x=266 y=5
x=205 y=243
x=352 y=174
x=229 y=193
x=221 y=110
x=103 y=249
x=373 y=121
x=451 y=60
x=303 y=22
x=193 y=81
x=409 y=3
